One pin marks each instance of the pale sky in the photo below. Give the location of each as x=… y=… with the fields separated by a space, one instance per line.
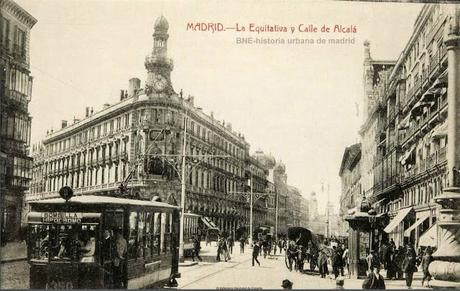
x=294 y=101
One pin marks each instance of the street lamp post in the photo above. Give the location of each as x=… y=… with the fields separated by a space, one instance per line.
x=182 y=196
x=250 y=212
x=252 y=200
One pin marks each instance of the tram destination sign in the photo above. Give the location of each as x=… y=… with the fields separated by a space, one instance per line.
x=62 y=217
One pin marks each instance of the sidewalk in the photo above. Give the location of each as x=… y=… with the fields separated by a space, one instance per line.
x=13 y=251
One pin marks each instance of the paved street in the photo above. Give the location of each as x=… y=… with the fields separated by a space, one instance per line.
x=240 y=273
x=209 y=274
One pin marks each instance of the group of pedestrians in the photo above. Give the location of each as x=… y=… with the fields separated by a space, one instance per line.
x=399 y=262
x=224 y=248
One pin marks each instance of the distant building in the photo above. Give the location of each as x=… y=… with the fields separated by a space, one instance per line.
x=350 y=176
x=15 y=120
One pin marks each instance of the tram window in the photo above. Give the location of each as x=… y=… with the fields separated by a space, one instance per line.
x=141 y=235
x=148 y=236
x=132 y=242
x=156 y=233
x=162 y=232
x=167 y=234
x=39 y=242
x=63 y=242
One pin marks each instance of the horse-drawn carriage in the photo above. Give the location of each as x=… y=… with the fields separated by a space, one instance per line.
x=303 y=245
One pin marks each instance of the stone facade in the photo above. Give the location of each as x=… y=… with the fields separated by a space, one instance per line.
x=404 y=135
x=15 y=120
x=350 y=176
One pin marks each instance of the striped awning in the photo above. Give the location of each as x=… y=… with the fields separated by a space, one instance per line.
x=208 y=222
x=402 y=213
x=428 y=238
x=417 y=223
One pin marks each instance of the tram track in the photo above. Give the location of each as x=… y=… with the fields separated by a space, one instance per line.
x=214 y=273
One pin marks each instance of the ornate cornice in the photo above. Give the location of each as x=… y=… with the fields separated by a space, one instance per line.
x=18 y=12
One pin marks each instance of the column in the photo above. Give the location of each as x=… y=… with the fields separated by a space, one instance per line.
x=446 y=267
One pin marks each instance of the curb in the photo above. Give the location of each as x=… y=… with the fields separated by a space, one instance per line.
x=11 y=260
x=188 y=264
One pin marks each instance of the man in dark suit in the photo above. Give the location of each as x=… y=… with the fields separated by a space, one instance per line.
x=374 y=280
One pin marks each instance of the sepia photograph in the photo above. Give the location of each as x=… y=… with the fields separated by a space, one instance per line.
x=153 y=144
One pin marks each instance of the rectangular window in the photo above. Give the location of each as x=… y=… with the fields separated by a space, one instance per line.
x=133 y=232
x=156 y=223
x=5 y=32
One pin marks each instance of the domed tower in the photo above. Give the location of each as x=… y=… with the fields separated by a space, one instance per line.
x=158 y=65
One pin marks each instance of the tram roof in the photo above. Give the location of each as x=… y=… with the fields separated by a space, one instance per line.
x=94 y=199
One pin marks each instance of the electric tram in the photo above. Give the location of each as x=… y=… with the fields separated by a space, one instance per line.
x=74 y=244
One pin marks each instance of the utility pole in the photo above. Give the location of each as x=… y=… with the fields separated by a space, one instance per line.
x=276 y=215
x=327 y=211
x=252 y=200
x=250 y=215
x=182 y=194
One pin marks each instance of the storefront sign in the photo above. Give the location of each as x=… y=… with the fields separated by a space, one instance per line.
x=62 y=217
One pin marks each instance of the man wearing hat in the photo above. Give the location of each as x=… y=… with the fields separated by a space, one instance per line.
x=374 y=280
x=339 y=283
x=287 y=285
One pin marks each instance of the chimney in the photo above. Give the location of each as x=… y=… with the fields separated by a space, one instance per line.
x=106 y=105
x=75 y=120
x=122 y=95
x=190 y=99
x=229 y=126
x=87 y=112
x=212 y=115
x=134 y=85
x=91 y=112
x=63 y=124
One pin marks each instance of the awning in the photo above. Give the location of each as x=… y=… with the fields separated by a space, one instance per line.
x=422 y=218
x=439 y=132
x=208 y=222
x=441 y=81
x=402 y=213
x=428 y=238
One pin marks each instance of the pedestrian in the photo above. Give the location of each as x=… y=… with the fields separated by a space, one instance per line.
x=219 y=248
x=322 y=264
x=121 y=249
x=369 y=258
x=346 y=261
x=231 y=242
x=196 y=249
x=242 y=245
x=426 y=260
x=339 y=282
x=334 y=262
x=409 y=266
x=341 y=261
x=374 y=280
x=255 y=253
x=287 y=285
x=225 y=250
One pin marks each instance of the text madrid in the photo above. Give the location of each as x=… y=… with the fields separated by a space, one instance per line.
x=252 y=27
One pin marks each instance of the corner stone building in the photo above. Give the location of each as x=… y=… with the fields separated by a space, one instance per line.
x=140 y=140
x=15 y=121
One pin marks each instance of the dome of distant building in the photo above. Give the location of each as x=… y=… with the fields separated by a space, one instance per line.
x=161 y=24
x=265 y=159
x=280 y=167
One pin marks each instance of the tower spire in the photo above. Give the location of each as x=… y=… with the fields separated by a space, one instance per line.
x=158 y=65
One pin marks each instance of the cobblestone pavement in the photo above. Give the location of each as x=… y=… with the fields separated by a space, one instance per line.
x=14 y=275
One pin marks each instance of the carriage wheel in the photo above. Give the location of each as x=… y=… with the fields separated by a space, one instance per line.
x=286 y=260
